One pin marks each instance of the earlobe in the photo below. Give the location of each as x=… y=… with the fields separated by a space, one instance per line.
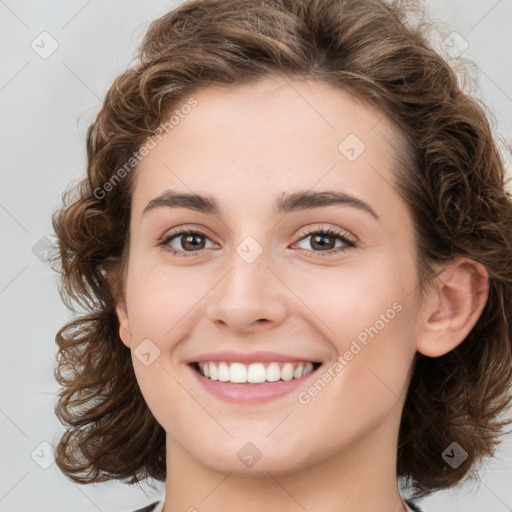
x=120 y=307
x=124 y=325
x=452 y=307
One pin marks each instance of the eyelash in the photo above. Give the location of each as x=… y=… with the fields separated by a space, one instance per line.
x=319 y=231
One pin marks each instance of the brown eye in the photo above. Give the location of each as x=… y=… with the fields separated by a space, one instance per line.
x=192 y=242
x=182 y=242
x=320 y=242
x=327 y=241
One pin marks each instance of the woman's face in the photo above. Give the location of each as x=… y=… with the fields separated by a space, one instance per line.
x=258 y=284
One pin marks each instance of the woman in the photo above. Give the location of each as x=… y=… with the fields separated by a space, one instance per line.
x=292 y=248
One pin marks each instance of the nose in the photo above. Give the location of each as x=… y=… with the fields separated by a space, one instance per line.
x=249 y=297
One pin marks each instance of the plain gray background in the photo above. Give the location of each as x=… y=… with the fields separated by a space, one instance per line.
x=47 y=103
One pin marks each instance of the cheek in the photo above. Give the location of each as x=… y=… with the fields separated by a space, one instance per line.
x=370 y=319
x=159 y=296
x=369 y=378
x=159 y=299
x=355 y=301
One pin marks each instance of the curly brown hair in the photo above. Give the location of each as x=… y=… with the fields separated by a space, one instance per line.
x=450 y=174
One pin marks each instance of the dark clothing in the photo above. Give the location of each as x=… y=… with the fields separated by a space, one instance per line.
x=148 y=508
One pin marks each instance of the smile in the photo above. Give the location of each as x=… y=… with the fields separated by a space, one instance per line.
x=255 y=373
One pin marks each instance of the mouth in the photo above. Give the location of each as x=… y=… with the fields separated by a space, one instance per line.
x=258 y=373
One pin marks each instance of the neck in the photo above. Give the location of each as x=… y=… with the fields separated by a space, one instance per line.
x=359 y=477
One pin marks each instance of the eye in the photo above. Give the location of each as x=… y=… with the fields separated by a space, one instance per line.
x=325 y=241
x=191 y=241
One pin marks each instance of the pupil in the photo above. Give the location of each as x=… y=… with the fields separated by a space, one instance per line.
x=190 y=239
x=322 y=244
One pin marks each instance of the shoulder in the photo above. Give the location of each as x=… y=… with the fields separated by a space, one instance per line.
x=413 y=506
x=153 y=507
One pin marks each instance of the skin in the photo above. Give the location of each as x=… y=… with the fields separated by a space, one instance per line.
x=246 y=146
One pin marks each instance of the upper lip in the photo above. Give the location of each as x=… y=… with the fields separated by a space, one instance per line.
x=249 y=357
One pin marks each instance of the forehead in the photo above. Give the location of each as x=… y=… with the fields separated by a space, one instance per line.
x=267 y=137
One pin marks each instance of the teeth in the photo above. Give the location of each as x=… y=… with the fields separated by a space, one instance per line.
x=254 y=373
x=287 y=371
x=298 y=371
x=223 y=372
x=273 y=372
x=237 y=373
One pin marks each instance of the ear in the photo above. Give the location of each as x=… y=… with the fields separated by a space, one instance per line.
x=120 y=305
x=452 y=307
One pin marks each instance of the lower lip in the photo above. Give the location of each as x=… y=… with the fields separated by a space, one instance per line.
x=250 y=393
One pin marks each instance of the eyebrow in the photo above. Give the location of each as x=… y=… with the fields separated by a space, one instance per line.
x=294 y=202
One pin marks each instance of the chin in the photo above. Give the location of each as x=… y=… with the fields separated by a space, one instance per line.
x=253 y=456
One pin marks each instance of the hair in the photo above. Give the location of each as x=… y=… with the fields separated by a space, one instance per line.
x=449 y=172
